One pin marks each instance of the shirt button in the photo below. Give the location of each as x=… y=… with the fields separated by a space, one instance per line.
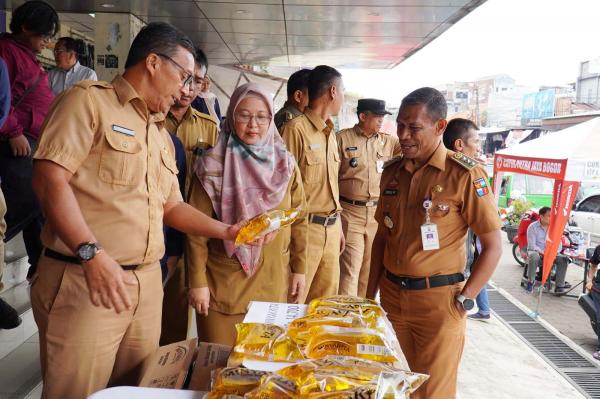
x=124 y=145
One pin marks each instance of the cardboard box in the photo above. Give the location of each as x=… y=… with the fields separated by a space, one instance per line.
x=168 y=367
x=209 y=357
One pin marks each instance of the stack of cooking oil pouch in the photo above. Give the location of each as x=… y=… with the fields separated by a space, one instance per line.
x=343 y=348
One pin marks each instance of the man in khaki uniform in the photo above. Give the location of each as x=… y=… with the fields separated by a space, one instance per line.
x=197 y=132
x=428 y=201
x=363 y=151
x=297 y=99
x=105 y=175
x=311 y=139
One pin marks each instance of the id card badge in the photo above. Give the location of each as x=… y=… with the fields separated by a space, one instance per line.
x=380 y=166
x=429 y=237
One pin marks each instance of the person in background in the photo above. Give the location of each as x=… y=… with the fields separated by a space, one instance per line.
x=297 y=98
x=197 y=132
x=311 y=139
x=68 y=70
x=9 y=318
x=536 y=245
x=207 y=101
x=461 y=135
x=106 y=177
x=593 y=286
x=363 y=150
x=33 y=26
x=248 y=172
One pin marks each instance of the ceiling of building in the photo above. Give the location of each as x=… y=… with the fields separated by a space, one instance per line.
x=290 y=33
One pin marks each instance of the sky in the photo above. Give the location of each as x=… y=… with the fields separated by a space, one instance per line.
x=537 y=42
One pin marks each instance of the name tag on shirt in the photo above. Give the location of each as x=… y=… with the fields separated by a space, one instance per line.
x=315 y=146
x=123 y=130
x=351 y=148
x=390 y=191
x=429 y=237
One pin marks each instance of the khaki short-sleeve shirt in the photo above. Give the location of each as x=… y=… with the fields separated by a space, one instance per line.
x=123 y=166
x=197 y=132
x=312 y=142
x=362 y=160
x=462 y=199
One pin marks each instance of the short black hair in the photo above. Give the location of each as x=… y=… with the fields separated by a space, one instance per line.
x=457 y=128
x=297 y=81
x=157 y=38
x=200 y=58
x=320 y=80
x=69 y=43
x=36 y=16
x=434 y=102
x=544 y=210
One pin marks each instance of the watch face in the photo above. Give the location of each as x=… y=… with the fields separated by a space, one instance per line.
x=468 y=304
x=87 y=252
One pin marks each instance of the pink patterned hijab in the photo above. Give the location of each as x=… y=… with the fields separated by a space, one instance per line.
x=245 y=180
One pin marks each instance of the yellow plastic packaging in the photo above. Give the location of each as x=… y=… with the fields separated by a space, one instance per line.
x=299 y=328
x=358 y=342
x=355 y=304
x=266 y=223
x=347 y=376
x=274 y=386
x=267 y=342
x=235 y=381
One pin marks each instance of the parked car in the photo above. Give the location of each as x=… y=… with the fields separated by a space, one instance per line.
x=586 y=215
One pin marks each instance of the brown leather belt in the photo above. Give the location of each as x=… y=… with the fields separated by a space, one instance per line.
x=421 y=283
x=75 y=260
x=359 y=203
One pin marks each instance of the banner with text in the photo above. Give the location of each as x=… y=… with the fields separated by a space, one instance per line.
x=551 y=168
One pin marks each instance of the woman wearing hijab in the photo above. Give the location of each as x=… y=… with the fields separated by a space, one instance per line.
x=248 y=172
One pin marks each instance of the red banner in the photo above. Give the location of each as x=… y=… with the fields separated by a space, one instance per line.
x=562 y=203
x=551 y=168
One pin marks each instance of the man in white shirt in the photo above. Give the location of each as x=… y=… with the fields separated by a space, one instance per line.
x=68 y=70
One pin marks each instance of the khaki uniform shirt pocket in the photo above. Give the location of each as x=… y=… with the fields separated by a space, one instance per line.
x=313 y=165
x=121 y=161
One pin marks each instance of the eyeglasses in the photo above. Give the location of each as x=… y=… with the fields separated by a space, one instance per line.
x=261 y=119
x=57 y=51
x=188 y=80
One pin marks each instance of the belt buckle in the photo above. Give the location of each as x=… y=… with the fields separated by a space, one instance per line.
x=403 y=283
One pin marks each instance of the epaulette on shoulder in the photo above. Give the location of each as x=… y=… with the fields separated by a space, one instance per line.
x=464 y=160
x=86 y=84
x=205 y=116
x=393 y=161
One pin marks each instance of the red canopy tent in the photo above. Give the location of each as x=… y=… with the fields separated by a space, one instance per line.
x=570 y=156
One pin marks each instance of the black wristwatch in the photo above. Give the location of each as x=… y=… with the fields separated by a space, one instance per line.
x=466 y=303
x=87 y=251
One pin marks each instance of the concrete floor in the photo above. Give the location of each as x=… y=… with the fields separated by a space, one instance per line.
x=563 y=313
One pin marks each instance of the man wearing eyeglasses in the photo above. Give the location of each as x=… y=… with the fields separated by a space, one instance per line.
x=68 y=70
x=197 y=132
x=105 y=175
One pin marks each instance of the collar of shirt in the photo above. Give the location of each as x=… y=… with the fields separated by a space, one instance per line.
x=74 y=68
x=23 y=47
x=323 y=126
x=361 y=132
x=187 y=115
x=292 y=108
x=126 y=93
x=437 y=160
